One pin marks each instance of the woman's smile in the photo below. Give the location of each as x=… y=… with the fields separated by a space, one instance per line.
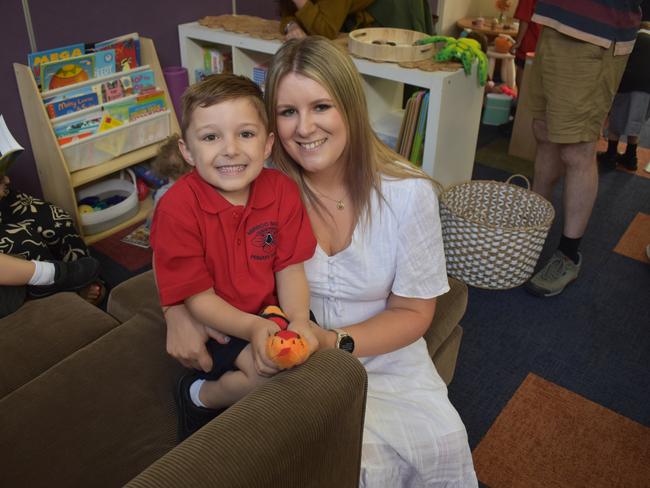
x=310 y=146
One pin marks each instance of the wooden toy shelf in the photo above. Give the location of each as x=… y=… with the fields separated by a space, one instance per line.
x=57 y=182
x=455 y=101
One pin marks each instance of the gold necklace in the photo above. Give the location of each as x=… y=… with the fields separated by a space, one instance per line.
x=340 y=204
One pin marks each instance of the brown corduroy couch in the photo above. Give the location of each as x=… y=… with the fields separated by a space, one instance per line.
x=86 y=400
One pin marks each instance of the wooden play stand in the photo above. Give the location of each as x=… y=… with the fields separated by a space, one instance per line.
x=391 y=45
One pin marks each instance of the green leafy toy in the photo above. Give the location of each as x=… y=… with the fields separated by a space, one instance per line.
x=464 y=50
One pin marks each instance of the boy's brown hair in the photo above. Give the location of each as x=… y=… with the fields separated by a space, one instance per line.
x=220 y=88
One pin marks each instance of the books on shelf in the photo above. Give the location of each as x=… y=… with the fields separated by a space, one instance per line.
x=410 y=142
x=127 y=50
x=74 y=63
x=36 y=59
x=90 y=89
x=9 y=147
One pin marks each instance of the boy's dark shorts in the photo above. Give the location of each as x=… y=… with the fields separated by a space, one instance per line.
x=223 y=357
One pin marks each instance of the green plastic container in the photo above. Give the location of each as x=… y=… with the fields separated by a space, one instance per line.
x=497 y=109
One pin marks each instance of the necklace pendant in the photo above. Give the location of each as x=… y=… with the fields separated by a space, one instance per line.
x=340 y=205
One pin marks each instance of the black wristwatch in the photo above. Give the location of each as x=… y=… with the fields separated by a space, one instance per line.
x=344 y=341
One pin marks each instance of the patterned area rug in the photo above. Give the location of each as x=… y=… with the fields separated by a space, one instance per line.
x=126 y=255
x=548 y=436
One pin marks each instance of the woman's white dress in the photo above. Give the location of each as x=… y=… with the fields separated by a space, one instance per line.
x=413 y=436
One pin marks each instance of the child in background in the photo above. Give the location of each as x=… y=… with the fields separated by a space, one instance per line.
x=527 y=36
x=230 y=238
x=170 y=165
x=630 y=109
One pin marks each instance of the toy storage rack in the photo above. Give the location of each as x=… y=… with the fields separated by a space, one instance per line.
x=59 y=185
x=454 y=111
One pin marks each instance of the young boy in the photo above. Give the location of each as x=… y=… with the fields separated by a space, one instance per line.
x=229 y=238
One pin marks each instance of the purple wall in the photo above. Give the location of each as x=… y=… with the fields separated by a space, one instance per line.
x=93 y=21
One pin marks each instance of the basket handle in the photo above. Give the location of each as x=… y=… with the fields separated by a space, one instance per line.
x=520 y=176
x=131 y=174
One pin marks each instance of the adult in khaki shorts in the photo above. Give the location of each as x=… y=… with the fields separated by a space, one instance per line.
x=579 y=61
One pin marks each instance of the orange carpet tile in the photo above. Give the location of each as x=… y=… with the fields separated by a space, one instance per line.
x=634 y=241
x=547 y=436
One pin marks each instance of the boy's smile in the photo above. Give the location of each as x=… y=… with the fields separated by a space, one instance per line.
x=228 y=143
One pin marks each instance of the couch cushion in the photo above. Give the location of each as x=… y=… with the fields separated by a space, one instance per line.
x=98 y=417
x=450 y=308
x=133 y=295
x=43 y=332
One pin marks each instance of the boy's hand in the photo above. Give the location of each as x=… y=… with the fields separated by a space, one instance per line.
x=263 y=330
x=303 y=328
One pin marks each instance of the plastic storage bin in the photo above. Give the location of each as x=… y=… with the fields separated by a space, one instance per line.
x=497 y=109
x=101 y=220
x=105 y=146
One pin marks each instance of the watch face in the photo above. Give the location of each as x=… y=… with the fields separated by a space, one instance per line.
x=346 y=343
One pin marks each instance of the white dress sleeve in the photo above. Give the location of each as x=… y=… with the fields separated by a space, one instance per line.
x=421 y=269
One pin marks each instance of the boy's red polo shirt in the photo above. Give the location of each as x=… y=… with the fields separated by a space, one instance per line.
x=200 y=240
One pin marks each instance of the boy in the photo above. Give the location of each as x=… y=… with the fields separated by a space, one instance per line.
x=229 y=238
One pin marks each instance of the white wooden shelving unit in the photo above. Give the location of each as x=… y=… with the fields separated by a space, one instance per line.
x=454 y=105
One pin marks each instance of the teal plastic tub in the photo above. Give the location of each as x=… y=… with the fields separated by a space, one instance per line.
x=497 y=109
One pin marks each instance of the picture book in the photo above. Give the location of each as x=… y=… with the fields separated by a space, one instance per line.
x=57 y=74
x=71 y=104
x=138 y=237
x=418 y=140
x=104 y=63
x=144 y=109
x=71 y=93
x=9 y=147
x=127 y=50
x=34 y=60
x=72 y=130
x=139 y=81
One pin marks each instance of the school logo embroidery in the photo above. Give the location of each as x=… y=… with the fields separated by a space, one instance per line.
x=264 y=237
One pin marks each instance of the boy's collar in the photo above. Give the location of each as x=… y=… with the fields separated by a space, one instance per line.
x=211 y=201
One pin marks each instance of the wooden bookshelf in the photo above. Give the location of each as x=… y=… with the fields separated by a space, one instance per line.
x=57 y=182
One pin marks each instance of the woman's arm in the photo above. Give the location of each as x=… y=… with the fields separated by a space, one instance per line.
x=324 y=18
x=403 y=322
x=186 y=338
x=523 y=27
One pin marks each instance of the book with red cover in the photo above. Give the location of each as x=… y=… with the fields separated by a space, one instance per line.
x=127 y=50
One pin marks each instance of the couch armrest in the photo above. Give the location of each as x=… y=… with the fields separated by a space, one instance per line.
x=137 y=294
x=302 y=429
x=450 y=308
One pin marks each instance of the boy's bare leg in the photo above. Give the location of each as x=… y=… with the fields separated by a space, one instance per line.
x=233 y=385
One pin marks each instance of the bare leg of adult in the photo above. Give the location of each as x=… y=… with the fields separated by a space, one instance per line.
x=548 y=165
x=577 y=163
x=580 y=186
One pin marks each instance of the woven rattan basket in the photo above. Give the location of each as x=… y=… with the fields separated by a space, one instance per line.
x=493 y=232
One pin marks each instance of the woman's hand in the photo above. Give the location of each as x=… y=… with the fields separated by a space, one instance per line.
x=294 y=31
x=186 y=338
x=263 y=330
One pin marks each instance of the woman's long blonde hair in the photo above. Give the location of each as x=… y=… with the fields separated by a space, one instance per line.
x=368 y=158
